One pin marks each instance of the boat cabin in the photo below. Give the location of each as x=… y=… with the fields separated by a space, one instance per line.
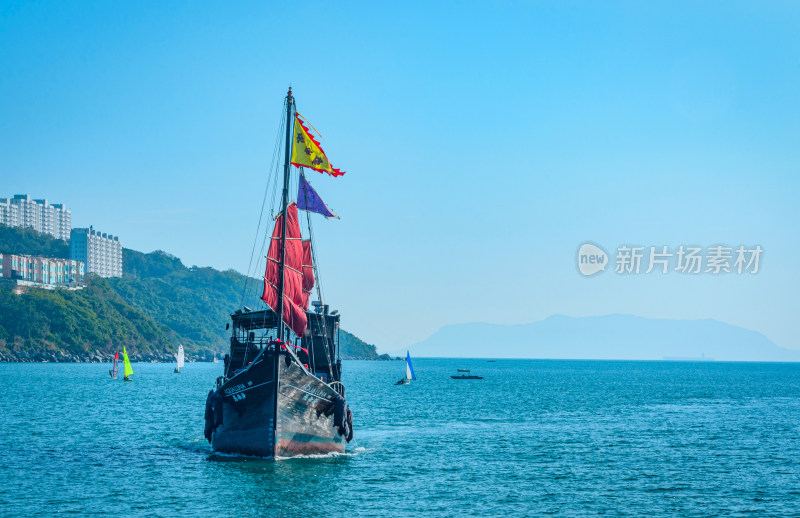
x=320 y=343
x=318 y=348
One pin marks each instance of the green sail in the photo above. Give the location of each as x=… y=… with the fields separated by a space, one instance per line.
x=128 y=368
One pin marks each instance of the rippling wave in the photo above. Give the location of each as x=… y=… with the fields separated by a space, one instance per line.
x=565 y=438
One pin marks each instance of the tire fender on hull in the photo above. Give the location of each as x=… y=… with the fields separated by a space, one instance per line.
x=213 y=414
x=343 y=418
x=209 y=416
x=349 y=425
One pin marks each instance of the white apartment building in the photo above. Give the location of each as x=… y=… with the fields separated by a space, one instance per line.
x=35 y=270
x=22 y=211
x=100 y=252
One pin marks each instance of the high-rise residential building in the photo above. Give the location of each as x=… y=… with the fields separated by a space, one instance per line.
x=100 y=252
x=22 y=211
x=40 y=270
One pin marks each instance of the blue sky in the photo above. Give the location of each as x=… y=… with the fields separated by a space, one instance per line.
x=483 y=143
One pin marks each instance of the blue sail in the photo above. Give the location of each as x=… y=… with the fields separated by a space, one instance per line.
x=409 y=367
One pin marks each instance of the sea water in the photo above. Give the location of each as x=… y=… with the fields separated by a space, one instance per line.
x=565 y=438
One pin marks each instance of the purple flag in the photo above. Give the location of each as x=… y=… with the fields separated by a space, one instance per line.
x=308 y=199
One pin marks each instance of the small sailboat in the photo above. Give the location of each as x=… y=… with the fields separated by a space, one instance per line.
x=409 y=372
x=114 y=368
x=180 y=359
x=128 y=369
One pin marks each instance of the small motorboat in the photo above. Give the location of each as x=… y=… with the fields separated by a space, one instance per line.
x=465 y=375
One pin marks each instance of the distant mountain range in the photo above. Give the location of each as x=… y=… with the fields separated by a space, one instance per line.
x=604 y=337
x=157 y=303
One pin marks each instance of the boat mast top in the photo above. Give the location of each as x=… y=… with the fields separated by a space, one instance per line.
x=284 y=204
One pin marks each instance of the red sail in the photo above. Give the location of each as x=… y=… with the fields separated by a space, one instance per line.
x=308 y=273
x=293 y=313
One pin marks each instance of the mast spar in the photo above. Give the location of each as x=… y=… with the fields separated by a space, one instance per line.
x=282 y=267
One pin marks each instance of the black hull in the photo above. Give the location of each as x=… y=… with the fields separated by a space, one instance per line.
x=305 y=420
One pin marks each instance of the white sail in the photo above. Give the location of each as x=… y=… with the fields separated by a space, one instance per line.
x=180 y=356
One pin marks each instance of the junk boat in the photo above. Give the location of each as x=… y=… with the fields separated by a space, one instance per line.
x=281 y=392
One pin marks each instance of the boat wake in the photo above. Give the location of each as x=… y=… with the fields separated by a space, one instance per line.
x=217 y=455
x=198 y=445
x=330 y=455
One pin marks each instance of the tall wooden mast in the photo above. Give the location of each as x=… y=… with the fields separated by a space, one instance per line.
x=282 y=268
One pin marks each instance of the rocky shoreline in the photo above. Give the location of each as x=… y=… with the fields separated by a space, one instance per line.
x=62 y=357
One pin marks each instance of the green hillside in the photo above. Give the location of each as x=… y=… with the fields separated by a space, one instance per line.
x=77 y=323
x=353 y=348
x=14 y=240
x=195 y=303
x=156 y=304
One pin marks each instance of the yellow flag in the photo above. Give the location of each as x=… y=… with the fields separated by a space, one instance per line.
x=306 y=151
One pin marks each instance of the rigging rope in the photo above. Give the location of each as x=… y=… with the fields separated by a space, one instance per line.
x=318 y=285
x=272 y=185
x=271 y=178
